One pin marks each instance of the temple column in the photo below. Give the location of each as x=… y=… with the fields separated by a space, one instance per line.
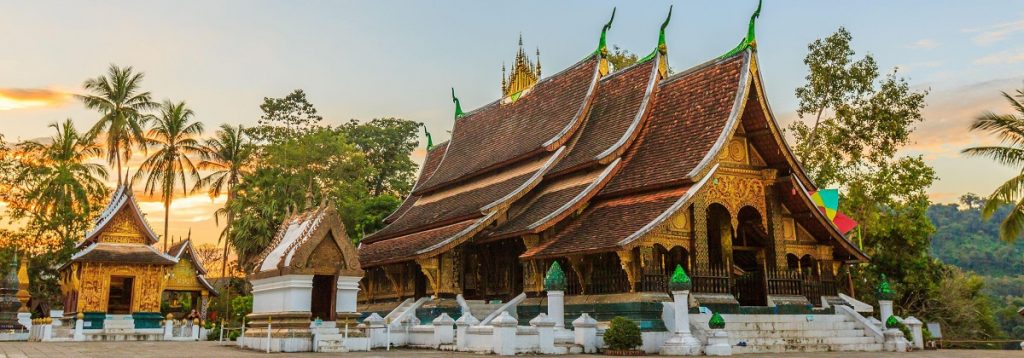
x=700 y=234
x=628 y=263
x=778 y=244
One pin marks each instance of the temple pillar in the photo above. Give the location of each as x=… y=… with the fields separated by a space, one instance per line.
x=582 y=271
x=429 y=268
x=629 y=265
x=776 y=227
x=700 y=234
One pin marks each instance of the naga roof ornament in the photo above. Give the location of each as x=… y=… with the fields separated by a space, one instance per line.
x=430 y=140
x=458 y=109
x=602 y=45
x=662 y=48
x=750 y=41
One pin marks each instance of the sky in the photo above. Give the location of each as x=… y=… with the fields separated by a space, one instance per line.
x=363 y=60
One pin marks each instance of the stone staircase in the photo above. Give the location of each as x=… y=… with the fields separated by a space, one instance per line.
x=481 y=308
x=409 y=305
x=767 y=333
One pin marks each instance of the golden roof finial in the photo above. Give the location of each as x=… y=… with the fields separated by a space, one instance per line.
x=523 y=75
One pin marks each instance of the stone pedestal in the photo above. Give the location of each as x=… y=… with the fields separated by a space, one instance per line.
x=916 y=331
x=894 y=341
x=718 y=343
x=682 y=341
x=885 y=310
x=375 y=329
x=585 y=328
x=169 y=327
x=79 y=334
x=444 y=330
x=556 y=308
x=461 y=326
x=545 y=333
x=504 y=335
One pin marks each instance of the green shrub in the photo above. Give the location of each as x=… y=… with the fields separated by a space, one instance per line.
x=623 y=334
x=212 y=332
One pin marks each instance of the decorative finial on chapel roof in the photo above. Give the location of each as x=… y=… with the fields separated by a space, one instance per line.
x=662 y=47
x=602 y=45
x=430 y=140
x=458 y=106
x=750 y=41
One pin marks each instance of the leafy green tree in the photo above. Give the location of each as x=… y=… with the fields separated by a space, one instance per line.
x=386 y=143
x=294 y=174
x=861 y=120
x=621 y=58
x=226 y=157
x=57 y=189
x=118 y=96
x=1009 y=128
x=175 y=137
x=286 y=117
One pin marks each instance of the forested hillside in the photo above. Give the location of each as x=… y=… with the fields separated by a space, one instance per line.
x=962 y=238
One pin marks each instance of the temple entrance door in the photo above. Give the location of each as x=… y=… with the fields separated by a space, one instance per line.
x=119 y=300
x=748 y=259
x=321 y=304
x=420 y=283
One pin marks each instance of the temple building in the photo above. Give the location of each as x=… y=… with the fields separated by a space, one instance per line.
x=617 y=174
x=310 y=272
x=117 y=277
x=187 y=279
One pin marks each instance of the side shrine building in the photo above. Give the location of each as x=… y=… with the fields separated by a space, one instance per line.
x=116 y=278
x=618 y=176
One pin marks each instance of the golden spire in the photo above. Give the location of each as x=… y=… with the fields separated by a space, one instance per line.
x=524 y=73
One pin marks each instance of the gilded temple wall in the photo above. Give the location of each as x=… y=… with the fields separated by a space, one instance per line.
x=148 y=284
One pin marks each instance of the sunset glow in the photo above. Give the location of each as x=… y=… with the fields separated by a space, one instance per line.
x=21 y=98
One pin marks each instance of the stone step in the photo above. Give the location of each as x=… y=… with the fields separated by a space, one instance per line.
x=802 y=341
x=794 y=333
x=783 y=318
x=782 y=348
x=768 y=326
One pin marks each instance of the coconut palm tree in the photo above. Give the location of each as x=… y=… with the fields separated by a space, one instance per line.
x=174 y=138
x=118 y=96
x=1009 y=128
x=55 y=184
x=226 y=157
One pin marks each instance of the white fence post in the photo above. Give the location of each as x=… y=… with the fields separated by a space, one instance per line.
x=545 y=333
x=585 y=329
x=444 y=332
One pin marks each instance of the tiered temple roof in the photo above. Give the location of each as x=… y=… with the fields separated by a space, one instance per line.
x=601 y=158
x=121 y=234
x=310 y=242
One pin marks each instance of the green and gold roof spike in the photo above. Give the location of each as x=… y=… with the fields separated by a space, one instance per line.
x=458 y=106
x=430 y=140
x=602 y=45
x=750 y=41
x=662 y=47
x=523 y=76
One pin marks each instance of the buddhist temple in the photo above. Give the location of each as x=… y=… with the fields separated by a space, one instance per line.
x=310 y=272
x=116 y=277
x=187 y=278
x=619 y=175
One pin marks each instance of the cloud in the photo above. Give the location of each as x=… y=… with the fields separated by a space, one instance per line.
x=21 y=98
x=924 y=44
x=1002 y=57
x=995 y=33
x=948 y=115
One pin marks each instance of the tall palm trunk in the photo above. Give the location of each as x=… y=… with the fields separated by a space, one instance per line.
x=167 y=215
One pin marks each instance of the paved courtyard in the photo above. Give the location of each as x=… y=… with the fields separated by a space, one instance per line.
x=211 y=349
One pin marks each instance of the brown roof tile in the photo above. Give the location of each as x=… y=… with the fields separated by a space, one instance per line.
x=499 y=133
x=429 y=166
x=602 y=226
x=467 y=204
x=405 y=247
x=689 y=115
x=616 y=105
